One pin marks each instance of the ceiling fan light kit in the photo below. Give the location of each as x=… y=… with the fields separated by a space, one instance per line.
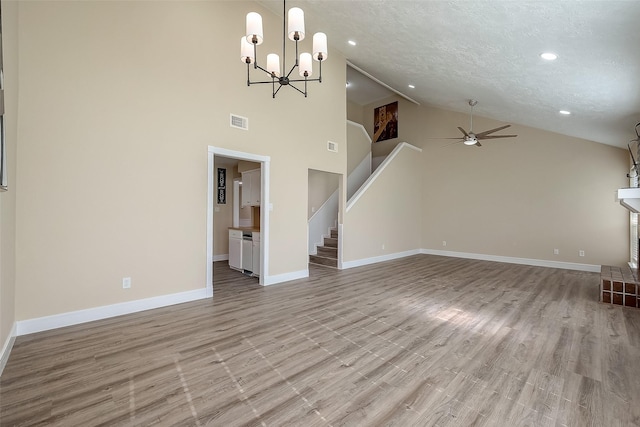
x=471 y=138
x=295 y=32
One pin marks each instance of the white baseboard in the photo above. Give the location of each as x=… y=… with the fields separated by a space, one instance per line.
x=6 y=348
x=46 y=323
x=515 y=260
x=286 y=277
x=223 y=257
x=381 y=258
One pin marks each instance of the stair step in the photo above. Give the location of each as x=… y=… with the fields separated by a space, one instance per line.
x=331 y=242
x=328 y=251
x=328 y=262
x=334 y=233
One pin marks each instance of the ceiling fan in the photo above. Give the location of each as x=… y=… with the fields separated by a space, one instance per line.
x=471 y=138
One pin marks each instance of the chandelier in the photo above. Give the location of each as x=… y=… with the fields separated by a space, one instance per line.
x=254 y=37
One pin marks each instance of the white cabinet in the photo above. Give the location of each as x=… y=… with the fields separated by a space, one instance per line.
x=235 y=249
x=256 y=253
x=251 y=188
x=247 y=255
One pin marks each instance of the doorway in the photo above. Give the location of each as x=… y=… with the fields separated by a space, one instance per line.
x=212 y=195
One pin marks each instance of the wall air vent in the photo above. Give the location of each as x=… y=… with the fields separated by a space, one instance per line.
x=239 y=122
x=332 y=146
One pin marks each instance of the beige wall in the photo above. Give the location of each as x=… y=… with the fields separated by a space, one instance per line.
x=244 y=165
x=321 y=186
x=358 y=146
x=8 y=199
x=355 y=112
x=119 y=101
x=388 y=212
x=520 y=197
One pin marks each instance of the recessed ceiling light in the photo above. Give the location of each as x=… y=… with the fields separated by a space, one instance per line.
x=412 y=87
x=549 y=56
x=352 y=43
x=565 y=112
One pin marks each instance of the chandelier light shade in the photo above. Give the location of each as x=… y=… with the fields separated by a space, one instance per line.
x=320 y=47
x=247 y=50
x=273 y=64
x=293 y=29
x=305 y=65
x=254 y=28
x=296 y=24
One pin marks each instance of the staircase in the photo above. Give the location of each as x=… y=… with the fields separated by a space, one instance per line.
x=327 y=254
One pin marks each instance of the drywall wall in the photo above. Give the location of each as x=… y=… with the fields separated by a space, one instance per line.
x=386 y=217
x=321 y=186
x=245 y=165
x=355 y=112
x=8 y=199
x=119 y=102
x=519 y=197
x=358 y=145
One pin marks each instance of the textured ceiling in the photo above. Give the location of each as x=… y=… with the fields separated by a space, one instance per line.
x=453 y=51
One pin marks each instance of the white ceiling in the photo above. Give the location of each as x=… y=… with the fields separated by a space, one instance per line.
x=453 y=51
x=362 y=90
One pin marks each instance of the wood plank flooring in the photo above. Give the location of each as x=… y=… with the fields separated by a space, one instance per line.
x=420 y=341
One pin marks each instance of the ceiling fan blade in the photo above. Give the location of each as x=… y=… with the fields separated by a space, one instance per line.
x=463 y=131
x=478 y=144
x=435 y=137
x=487 y=132
x=448 y=144
x=495 y=136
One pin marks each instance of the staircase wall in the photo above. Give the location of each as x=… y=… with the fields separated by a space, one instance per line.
x=358 y=157
x=358 y=145
x=382 y=220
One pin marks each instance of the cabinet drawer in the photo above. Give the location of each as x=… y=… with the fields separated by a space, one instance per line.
x=235 y=234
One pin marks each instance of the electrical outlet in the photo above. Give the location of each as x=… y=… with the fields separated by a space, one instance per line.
x=581 y=253
x=556 y=251
x=126 y=282
x=444 y=243
x=383 y=246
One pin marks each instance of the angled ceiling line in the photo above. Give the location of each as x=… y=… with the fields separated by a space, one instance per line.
x=381 y=83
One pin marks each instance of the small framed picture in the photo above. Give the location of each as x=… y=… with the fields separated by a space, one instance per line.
x=385 y=122
x=222 y=186
x=222 y=178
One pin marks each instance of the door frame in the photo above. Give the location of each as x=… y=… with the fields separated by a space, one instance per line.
x=265 y=162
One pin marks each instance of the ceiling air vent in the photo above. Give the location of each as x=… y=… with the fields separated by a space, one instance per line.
x=239 y=122
x=332 y=146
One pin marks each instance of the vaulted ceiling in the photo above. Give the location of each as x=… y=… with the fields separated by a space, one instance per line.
x=453 y=51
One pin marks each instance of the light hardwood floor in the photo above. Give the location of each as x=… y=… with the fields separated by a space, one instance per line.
x=420 y=341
